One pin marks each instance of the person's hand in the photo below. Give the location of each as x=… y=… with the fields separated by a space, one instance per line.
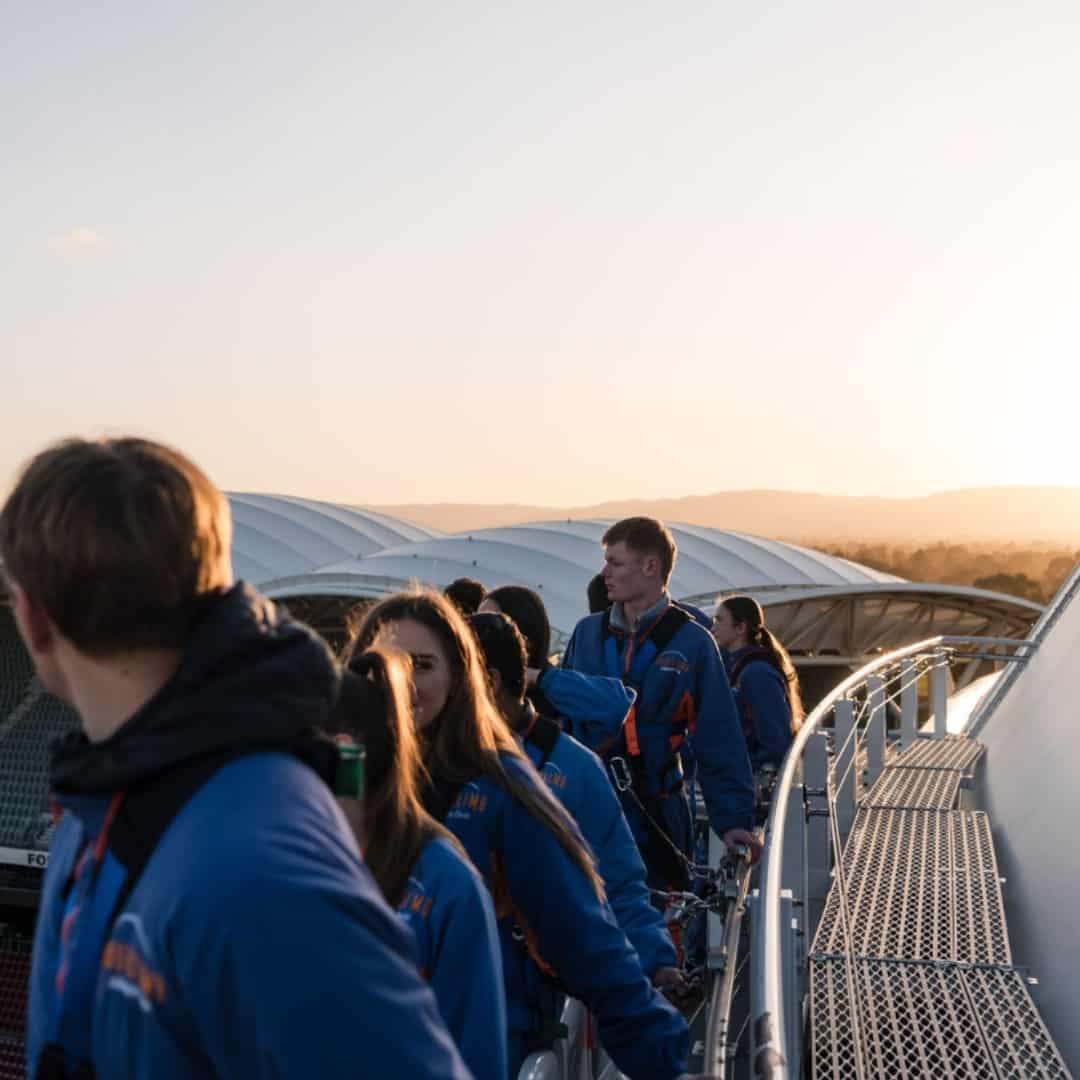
x=743 y=836
x=669 y=978
x=671 y=982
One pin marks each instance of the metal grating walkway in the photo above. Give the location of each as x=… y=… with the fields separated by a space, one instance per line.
x=951 y=752
x=917 y=980
x=921 y=885
x=920 y=1019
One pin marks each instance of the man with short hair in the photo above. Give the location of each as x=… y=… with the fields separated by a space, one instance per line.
x=659 y=650
x=205 y=910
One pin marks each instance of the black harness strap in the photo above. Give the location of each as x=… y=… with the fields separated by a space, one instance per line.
x=746 y=716
x=667 y=858
x=544 y=735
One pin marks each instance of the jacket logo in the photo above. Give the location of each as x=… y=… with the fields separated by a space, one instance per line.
x=416 y=901
x=555 y=777
x=130 y=966
x=469 y=801
x=672 y=661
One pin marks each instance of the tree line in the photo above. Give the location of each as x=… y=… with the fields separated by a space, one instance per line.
x=1031 y=572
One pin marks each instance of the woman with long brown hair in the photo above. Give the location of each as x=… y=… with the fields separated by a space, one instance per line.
x=762 y=677
x=557 y=933
x=419 y=866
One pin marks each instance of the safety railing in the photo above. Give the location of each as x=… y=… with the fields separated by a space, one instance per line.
x=815 y=799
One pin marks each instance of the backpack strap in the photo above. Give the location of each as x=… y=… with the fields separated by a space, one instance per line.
x=659 y=636
x=746 y=660
x=623 y=753
x=439 y=796
x=543 y=734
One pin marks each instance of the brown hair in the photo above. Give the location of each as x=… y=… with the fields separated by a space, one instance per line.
x=646 y=536
x=745 y=609
x=117 y=539
x=373 y=707
x=469 y=737
x=466 y=593
x=525 y=609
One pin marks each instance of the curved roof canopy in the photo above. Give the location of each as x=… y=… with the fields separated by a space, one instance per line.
x=842 y=624
x=276 y=536
x=557 y=558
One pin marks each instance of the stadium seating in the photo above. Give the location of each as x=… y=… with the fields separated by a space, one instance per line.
x=30 y=720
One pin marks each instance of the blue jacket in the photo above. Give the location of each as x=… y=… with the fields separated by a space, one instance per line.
x=549 y=914
x=579 y=781
x=761 y=699
x=594 y=704
x=449 y=911
x=683 y=692
x=254 y=943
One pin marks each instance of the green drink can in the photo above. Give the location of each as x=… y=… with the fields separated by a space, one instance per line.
x=349 y=780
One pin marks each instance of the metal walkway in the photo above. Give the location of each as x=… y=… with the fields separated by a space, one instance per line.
x=913 y=975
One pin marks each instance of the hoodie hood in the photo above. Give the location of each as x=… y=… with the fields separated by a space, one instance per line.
x=250 y=679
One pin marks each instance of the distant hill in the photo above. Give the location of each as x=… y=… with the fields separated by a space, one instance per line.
x=1001 y=514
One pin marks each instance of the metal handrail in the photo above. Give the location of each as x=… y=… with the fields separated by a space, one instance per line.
x=769 y=1021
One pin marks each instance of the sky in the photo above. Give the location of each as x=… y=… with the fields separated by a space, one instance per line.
x=547 y=253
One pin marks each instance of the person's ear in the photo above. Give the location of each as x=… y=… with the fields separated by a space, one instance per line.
x=35 y=626
x=495 y=678
x=651 y=565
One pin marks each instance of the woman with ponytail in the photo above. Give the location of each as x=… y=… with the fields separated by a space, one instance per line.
x=557 y=933
x=419 y=866
x=762 y=677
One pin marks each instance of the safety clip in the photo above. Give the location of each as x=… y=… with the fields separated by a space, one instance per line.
x=620 y=773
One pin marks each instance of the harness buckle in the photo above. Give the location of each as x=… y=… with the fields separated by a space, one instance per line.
x=620 y=773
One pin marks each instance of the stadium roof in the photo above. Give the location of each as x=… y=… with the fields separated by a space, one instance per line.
x=842 y=624
x=321 y=555
x=557 y=558
x=276 y=536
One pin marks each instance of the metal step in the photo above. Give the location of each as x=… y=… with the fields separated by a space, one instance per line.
x=922 y=1019
x=921 y=885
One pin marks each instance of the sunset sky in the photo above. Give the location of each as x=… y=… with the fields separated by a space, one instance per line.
x=549 y=253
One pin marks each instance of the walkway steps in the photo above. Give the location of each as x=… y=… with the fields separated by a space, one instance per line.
x=913 y=976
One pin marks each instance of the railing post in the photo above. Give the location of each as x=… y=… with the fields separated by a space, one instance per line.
x=909 y=702
x=716 y=956
x=939 y=692
x=769 y=1049
x=875 y=733
x=793 y=877
x=816 y=778
x=792 y=962
x=844 y=768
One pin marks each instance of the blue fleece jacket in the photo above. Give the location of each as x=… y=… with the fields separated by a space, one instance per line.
x=579 y=781
x=683 y=693
x=449 y=911
x=593 y=705
x=761 y=700
x=254 y=944
x=548 y=913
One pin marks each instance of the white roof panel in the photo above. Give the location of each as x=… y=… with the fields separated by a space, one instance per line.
x=276 y=536
x=557 y=558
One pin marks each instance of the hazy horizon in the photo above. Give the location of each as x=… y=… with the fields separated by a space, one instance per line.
x=1030 y=515
x=550 y=254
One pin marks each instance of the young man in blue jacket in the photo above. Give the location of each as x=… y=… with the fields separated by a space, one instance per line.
x=671 y=661
x=205 y=910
